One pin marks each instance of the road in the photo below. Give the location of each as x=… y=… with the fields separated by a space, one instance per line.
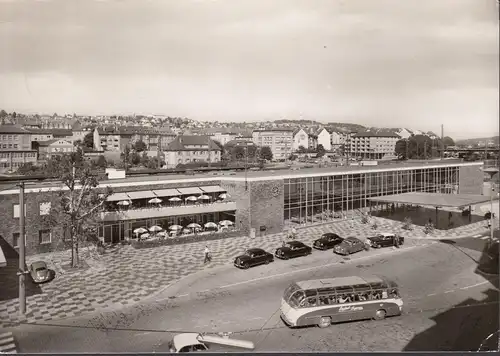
x=447 y=307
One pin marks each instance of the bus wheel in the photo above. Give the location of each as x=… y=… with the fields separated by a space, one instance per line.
x=379 y=314
x=325 y=322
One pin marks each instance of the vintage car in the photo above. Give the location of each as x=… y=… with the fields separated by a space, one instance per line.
x=327 y=241
x=292 y=249
x=385 y=239
x=349 y=246
x=193 y=342
x=253 y=257
x=40 y=273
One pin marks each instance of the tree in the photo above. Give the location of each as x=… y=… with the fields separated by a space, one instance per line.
x=3 y=113
x=135 y=158
x=125 y=155
x=320 y=151
x=144 y=159
x=140 y=146
x=448 y=141
x=266 y=153
x=302 y=149
x=77 y=208
x=88 y=141
x=28 y=169
x=401 y=148
x=101 y=162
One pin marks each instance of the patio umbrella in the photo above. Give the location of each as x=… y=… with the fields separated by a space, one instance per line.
x=211 y=225
x=140 y=230
x=175 y=199
x=194 y=226
x=145 y=236
x=224 y=196
x=162 y=234
x=225 y=223
x=155 y=228
x=192 y=198
x=123 y=202
x=204 y=197
x=175 y=227
x=155 y=201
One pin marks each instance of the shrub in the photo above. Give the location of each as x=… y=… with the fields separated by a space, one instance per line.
x=374 y=226
x=364 y=219
x=428 y=228
x=407 y=223
x=185 y=239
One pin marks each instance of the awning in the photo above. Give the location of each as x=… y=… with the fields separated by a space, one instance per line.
x=166 y=192
x=143 y=194
x=433 y=199
x=212 y=189
x=118 y=197
x=190 y=190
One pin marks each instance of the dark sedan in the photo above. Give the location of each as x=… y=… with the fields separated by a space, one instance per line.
x=385 y=240
x=327 y=241
x=292 y=249
x=349 y=246
x=253 y=257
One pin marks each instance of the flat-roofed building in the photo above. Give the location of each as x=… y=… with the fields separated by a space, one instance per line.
x=279 y=140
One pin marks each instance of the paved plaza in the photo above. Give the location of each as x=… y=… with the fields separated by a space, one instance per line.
x=126 y=275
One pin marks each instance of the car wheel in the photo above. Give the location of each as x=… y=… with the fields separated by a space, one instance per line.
x=379 y=314
x=325 y=322
x=267 y=262
x=246 y=266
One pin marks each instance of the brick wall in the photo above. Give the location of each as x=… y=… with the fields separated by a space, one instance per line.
x=34 y=221
x=241 y=196
x=471 y=180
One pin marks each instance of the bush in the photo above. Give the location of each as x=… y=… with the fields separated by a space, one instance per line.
x=407 y=223
x=429 y=227
x=364 y=219
x=185 y=239
x=375 y=226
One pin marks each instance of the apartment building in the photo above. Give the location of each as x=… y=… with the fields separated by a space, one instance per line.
x=187 y=149
x=15 y=148
x=300 y=138
x=279 y=140
x=50 y=148
x=373 y=145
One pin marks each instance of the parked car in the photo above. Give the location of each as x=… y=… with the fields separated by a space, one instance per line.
x=40 y=273
x=327 y=241
x=292 y=249
x=253 y=257
x=349 y=246
x=385 y=239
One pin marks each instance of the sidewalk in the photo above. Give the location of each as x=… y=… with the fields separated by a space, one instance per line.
x=127 y=275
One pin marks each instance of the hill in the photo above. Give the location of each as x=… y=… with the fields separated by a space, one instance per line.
x=478 y=141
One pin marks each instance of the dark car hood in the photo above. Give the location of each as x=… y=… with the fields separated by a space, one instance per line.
x=243 y=258
x=375 y=238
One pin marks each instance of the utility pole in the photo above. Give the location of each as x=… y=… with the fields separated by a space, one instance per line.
x=442 y=143
x=208 y=141
x=21 y=242
x=158 y=151
x=246 y=166
x=407 y=144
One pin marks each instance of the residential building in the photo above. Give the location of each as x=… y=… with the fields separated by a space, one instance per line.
x=221 y=135
x=279 y=140
x=404 y=133
x=50 y=148
x=187 y=149
x=373 y=145
x=335 y=138
x=300 y=138
x=324 y=139
x=260 y=202
x=108 y=139
x=15 y=148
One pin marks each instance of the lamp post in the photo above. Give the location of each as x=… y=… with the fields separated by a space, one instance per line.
x=491 y=171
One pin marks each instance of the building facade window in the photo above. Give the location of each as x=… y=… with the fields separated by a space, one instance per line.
x=44 y=237
x=44 y=208
x=16 y=211
x=15 y=239
x=317 y=199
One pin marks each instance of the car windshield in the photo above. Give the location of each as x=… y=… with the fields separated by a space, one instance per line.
x=248 y=253
x=40 y=269
x=350 y=242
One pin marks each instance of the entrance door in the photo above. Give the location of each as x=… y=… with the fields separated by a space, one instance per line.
x=115 y=233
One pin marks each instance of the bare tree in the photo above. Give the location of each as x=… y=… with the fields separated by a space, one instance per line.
x=78 y=205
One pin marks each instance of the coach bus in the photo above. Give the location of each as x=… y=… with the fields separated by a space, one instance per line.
x=325 y=301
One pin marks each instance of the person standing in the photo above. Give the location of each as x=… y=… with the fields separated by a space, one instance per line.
x=208 y=257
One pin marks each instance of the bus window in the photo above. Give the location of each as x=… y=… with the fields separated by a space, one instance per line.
x=324 y=300
x=393 y=293
x=309 y=302
x=296 y=298
x=344 y=298
x=290 y=290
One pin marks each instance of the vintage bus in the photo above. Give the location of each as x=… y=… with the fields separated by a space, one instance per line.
x=325 y=301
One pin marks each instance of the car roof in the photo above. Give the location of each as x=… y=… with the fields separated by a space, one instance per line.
x=39 y=264
x=328 y=234
x=186 y=339
x=294 y=243
x=386 y=234
x=352 y=238
x=255 y=250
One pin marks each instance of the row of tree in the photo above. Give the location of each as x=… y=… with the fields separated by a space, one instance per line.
x=421 y=147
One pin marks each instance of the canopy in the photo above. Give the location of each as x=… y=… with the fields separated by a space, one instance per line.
x=433 y=199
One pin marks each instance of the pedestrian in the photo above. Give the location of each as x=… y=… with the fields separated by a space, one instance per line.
x=294 y=233
x=208 y=256
x=396 y=241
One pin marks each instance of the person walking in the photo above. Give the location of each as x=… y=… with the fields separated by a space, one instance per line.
x=208 y=256
x=396 y=241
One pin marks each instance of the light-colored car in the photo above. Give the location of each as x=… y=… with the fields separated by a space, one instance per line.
x=40 y=273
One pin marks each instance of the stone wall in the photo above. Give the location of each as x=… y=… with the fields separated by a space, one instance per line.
x=241 y=195
x=267 y=206
x=471 y=180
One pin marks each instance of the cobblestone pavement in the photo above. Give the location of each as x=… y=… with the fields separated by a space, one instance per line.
x=126 y=275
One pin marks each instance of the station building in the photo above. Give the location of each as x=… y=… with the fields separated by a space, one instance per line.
x=258 y=202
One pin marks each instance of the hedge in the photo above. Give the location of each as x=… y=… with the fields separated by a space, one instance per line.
x=184 y=239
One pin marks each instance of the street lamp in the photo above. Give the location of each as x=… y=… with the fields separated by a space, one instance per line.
x=491 y=171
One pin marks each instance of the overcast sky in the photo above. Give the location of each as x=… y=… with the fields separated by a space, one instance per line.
x=389 y=63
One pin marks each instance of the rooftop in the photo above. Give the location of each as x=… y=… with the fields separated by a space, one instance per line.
x=144 y=180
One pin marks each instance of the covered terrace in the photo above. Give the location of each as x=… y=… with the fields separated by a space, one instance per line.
x=415 y=205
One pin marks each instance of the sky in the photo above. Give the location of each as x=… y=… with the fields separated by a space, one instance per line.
x=385 y=63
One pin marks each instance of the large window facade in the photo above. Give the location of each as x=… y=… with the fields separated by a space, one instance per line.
x=312 y=200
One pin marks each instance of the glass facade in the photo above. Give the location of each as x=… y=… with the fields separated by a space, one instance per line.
x=310 y=200
x=118 y=231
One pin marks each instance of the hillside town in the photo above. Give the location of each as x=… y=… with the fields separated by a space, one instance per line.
x=162 y=142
